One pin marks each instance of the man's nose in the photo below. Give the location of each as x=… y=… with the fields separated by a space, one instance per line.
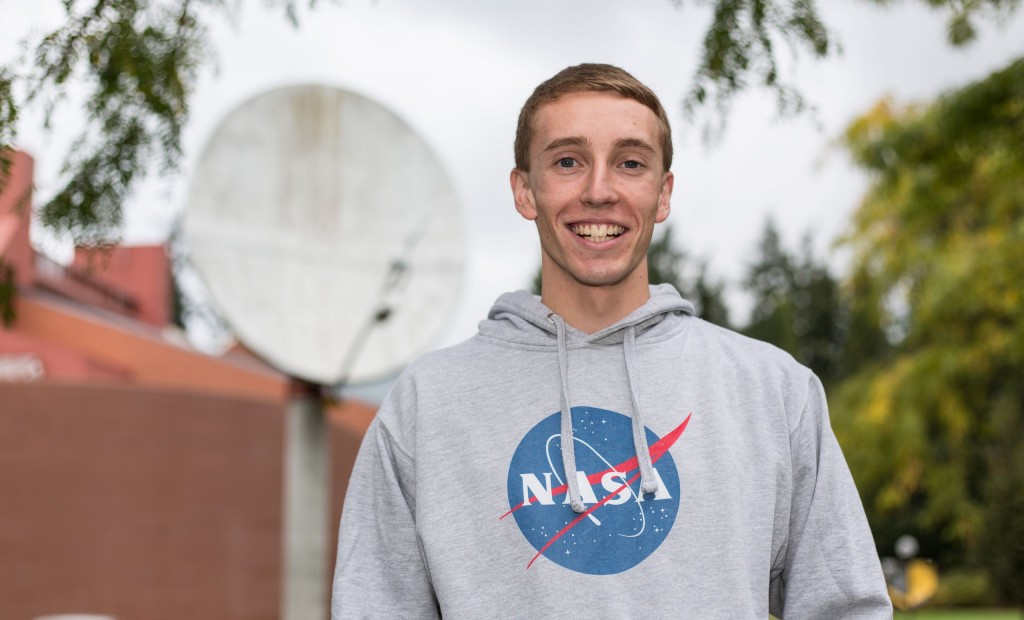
x=600 y=187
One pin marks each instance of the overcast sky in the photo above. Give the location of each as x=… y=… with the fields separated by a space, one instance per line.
x=457 y=72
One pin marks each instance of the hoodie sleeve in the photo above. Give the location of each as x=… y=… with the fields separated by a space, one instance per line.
x=380 y=570
x=830 y=566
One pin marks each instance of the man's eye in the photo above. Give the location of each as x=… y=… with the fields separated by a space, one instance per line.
x=632 y=164
x=567 y=162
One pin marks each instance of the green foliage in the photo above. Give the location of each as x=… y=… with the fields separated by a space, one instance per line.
x=8 y=119
x=959 y=614
x=668 y=263
x=739 y=47
x=770 y=280
x=933 y=430
x=8 y=284
x=8 y=289
x=961 y=588
x=798 y=306
x=961 y=28
x=1002 y=542
x=139 y=61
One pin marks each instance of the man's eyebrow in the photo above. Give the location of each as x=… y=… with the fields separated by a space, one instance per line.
x=569 y=141
x=634 y=143
x=579 y=141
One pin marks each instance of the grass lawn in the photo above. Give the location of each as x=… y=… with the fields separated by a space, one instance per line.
x=956 y=614
x=961 y=614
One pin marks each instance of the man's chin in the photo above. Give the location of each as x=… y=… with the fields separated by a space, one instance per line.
x=596 y=274
x=602 y=279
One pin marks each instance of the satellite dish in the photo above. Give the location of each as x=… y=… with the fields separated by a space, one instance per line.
x=327 y=233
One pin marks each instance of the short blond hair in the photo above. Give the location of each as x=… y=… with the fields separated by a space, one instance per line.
x=588 y=77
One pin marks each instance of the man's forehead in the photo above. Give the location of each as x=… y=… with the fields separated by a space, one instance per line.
x=579 y=117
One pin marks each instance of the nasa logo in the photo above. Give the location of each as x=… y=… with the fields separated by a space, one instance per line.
x=620 y=527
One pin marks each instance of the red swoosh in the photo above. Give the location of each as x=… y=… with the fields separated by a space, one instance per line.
x=659 y=448
x=657 y=451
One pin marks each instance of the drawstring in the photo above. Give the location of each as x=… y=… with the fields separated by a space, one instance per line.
x=568 y=442
x=648 y=483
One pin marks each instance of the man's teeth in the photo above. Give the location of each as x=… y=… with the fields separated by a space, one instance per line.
x=598 y=232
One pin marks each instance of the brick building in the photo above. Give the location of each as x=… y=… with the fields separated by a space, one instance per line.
x=139 y=477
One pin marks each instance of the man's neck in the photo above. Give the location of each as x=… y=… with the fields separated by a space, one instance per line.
x=592 y=308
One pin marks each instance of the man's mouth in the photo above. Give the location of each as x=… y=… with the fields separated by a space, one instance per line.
x=597 y=232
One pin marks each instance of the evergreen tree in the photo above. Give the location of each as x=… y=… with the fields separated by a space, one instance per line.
x=769 y=281
x=668 y=263
x=797 y=305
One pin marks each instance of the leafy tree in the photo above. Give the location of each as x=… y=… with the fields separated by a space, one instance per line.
x=769 y=280
x=1002 y=542
x=865 y=338
x=667 y=263
x=797 y=305
x=739 y=47
x=961 y=27
x=8 y=122
x=933 y=429
x=821 y=317
x=140 y=59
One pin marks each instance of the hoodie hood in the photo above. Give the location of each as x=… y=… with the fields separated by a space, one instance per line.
x=521 y=318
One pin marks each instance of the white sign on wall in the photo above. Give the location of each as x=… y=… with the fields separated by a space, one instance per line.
x=21 y=367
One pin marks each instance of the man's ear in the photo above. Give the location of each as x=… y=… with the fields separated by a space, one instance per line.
x=665 y=198
x=522 y=194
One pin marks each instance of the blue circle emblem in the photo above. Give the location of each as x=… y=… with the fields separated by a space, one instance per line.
x=620 y=527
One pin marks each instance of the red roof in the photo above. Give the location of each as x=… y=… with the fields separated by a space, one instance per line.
x=106 y=317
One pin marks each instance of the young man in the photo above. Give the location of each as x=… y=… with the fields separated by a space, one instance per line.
x=600 y=451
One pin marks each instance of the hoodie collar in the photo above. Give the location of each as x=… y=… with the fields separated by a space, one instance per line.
x=520 y=317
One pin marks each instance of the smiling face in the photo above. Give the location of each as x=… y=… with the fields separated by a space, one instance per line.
x=595 y=187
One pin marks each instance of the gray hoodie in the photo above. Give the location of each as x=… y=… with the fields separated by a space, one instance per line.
x=697 y=477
